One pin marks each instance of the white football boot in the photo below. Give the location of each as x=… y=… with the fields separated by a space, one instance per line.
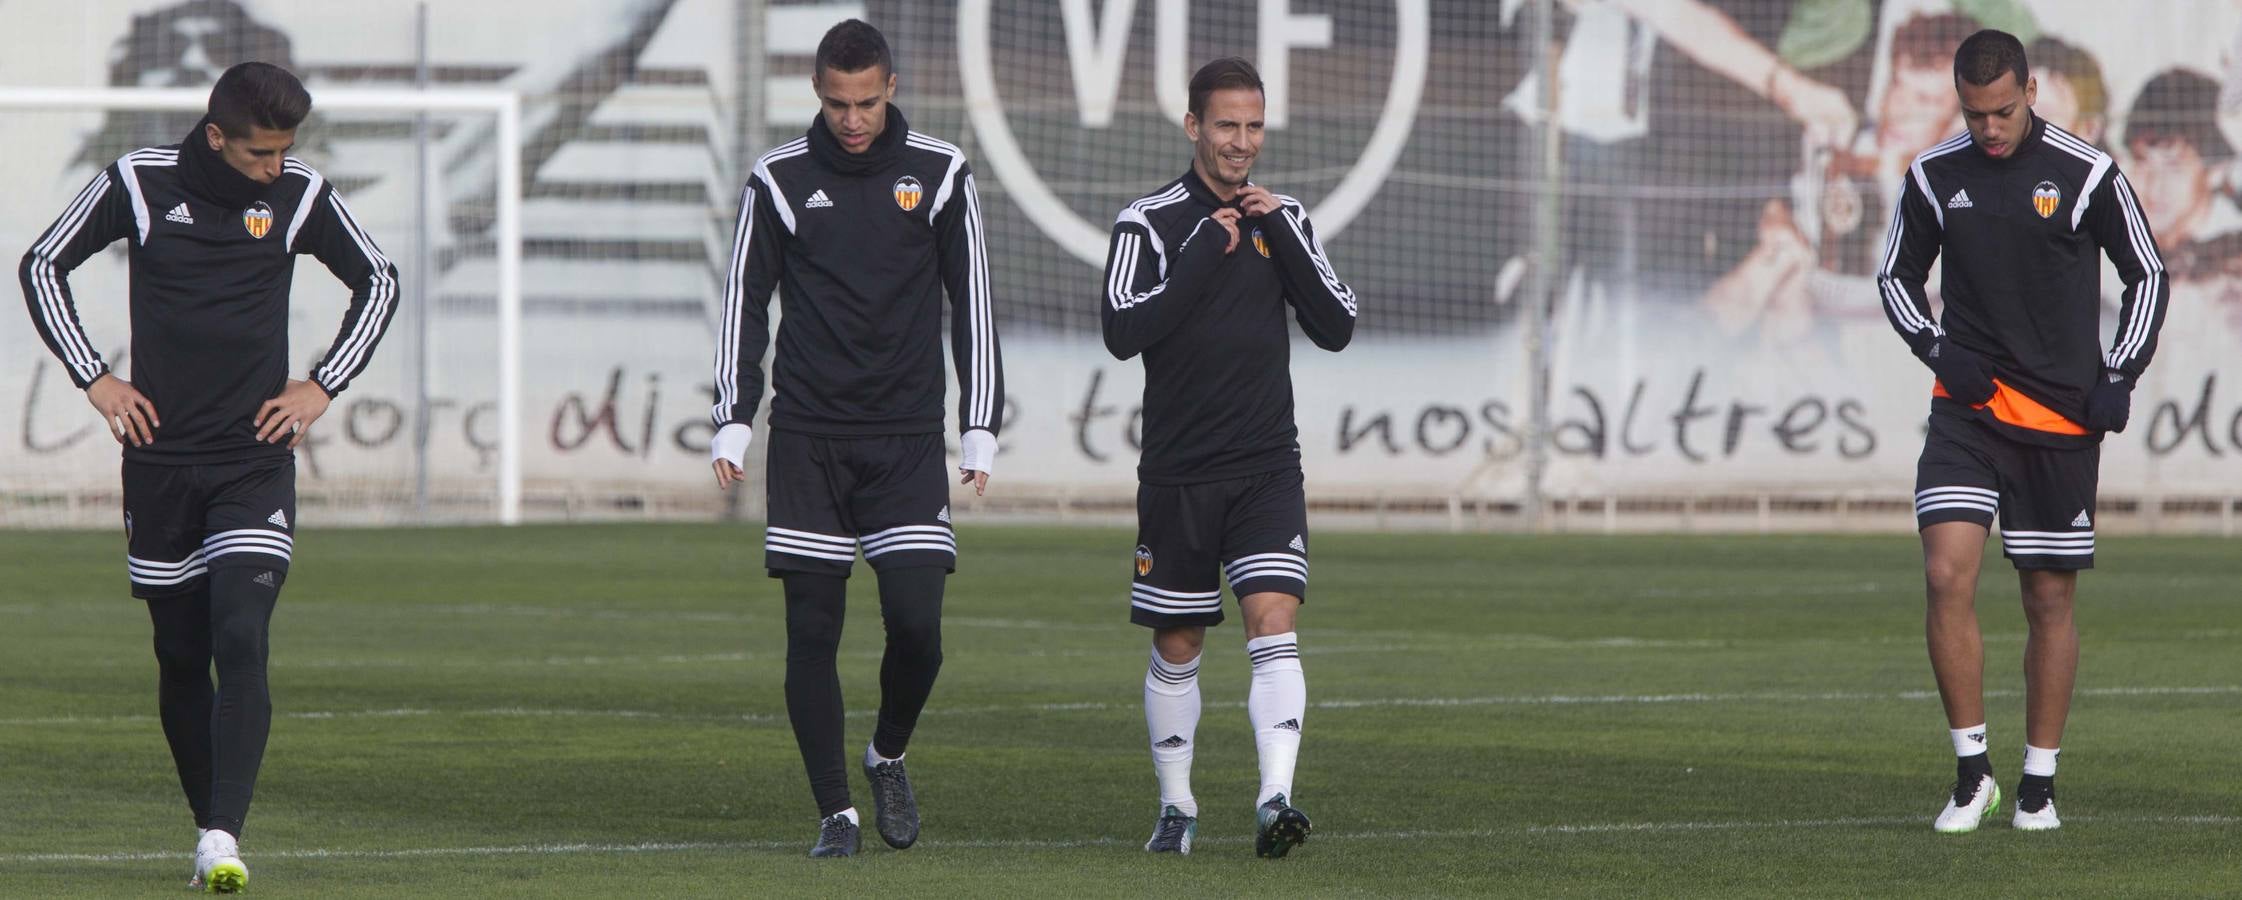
x=218 y=868
x=1973 y=800
x=2034 y=812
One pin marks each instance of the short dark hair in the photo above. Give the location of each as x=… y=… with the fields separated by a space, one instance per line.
x=1987 y=55
x=2179 y=104
x=258 y=94
x=853 y=46
x=1220 y=75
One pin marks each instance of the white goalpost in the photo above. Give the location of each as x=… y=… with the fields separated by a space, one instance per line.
x=504 y=107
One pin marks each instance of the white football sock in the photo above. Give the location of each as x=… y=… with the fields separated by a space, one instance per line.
x=1969 y=741
x=2039 y=761
x=1275 y=705
x=872 y=757
x=849 y=812
x=1171 y=717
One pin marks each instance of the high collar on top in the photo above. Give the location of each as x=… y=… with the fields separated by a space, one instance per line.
x=2032 y=138
x=208 y=177
x=1199 y=189
x=830 y=154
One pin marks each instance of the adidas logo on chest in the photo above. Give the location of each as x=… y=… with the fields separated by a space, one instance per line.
x=817 y=200
x=180 y=215
x=1960 y=200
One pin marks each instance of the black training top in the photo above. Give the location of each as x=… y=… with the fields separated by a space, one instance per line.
x=212 y=256
x=1211 y=326
x=861 y=248
x=2021 y=283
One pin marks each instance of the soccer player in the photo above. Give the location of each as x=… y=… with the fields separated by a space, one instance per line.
x=210 y=419
x=1198 y=279
x=862 y=225
x=2023 y=396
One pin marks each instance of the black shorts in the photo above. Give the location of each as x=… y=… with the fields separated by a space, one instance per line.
x=182 y=522
x=2044 y=495
x=1252 y=531
x=829 y=495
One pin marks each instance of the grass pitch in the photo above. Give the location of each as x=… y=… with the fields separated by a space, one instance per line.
x=557 y=711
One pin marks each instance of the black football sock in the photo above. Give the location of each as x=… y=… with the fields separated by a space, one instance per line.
x=911 y=605
x=814 y=606
x=241 y=604
x=184 y=694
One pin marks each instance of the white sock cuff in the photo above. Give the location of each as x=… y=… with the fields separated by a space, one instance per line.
x=1175 y=676
x=872 y=757
x=2040 y=761
x=1276 y=651
x=1969 y=741
x=849 y=812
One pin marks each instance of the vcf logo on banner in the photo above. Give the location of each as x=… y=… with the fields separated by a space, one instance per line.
x=1097 y=47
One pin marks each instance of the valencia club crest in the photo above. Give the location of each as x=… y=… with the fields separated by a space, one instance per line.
x=2045 y=198
x=258 y=219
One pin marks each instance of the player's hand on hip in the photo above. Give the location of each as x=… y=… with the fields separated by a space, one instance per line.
x=290 y=415
x=977 y=451
x=1227 y=217
x=1256 y=200
x=727 y=454
x=129 y=415
x=2109 y=403
x=1960 y=371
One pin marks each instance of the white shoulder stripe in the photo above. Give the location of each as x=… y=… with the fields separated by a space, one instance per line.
x=948 y=186
x=783 y=151
x=1923 y=181
x=926 y=141
x=151 y=157
x=1944 y=147
x=789 y=150
x=2054 y=134
x=1134 y=214
x=2099 y=167
x=2072 y=147
x=1167 y=197
x=949 y=177
x=305 y=208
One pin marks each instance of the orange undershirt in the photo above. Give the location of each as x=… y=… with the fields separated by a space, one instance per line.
x=2011 y=406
